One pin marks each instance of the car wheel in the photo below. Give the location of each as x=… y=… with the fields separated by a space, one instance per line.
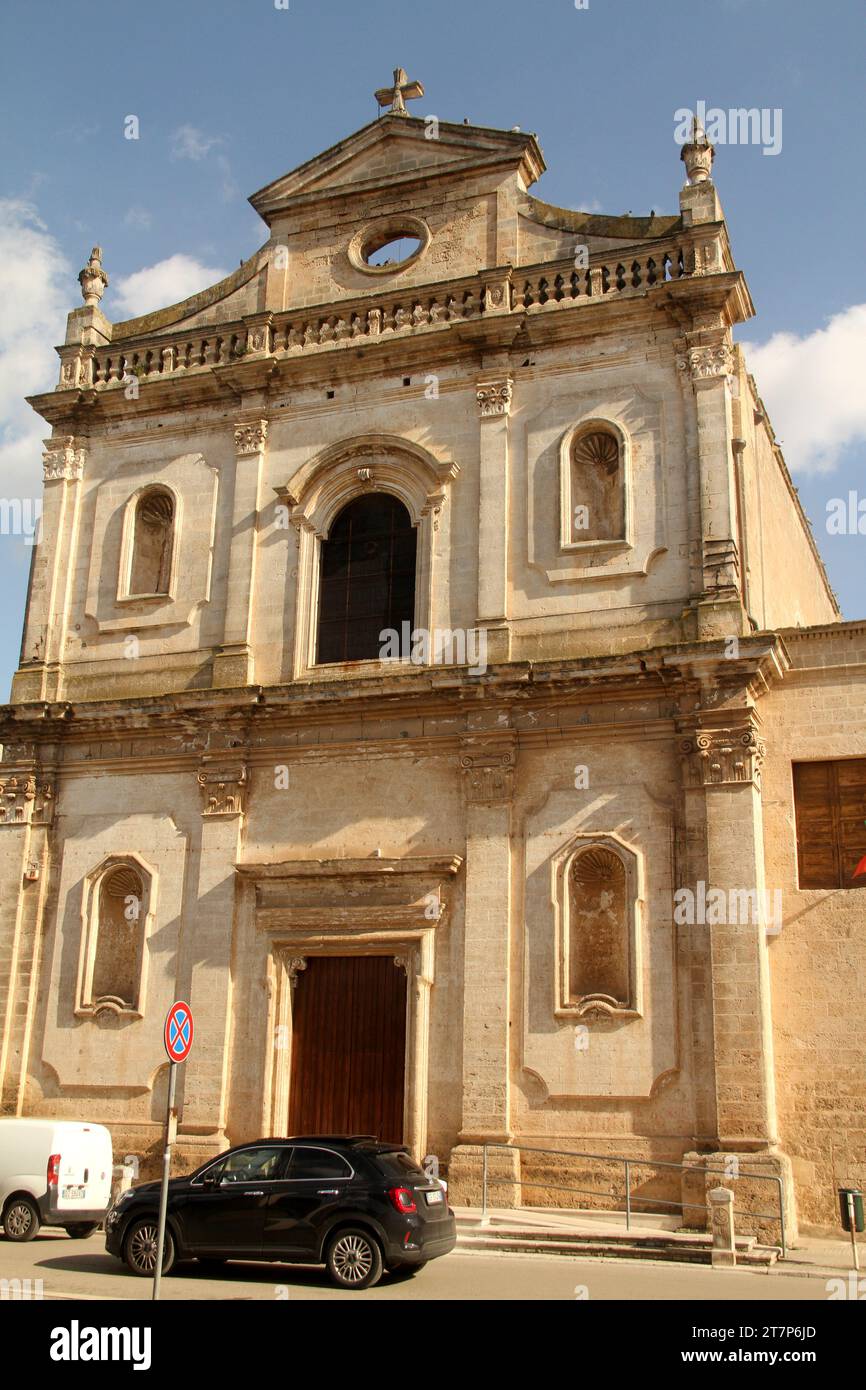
x=21 y=1219
x=80 y=1230
x=355 y=1259
x=139 y=1247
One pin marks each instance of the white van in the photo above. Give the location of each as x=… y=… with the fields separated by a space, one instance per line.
x=53 y=1173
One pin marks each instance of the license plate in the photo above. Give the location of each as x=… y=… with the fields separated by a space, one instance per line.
x=434 y=1197
x=69 y=1193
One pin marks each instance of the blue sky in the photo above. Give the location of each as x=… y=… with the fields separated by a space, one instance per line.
x=231 y=93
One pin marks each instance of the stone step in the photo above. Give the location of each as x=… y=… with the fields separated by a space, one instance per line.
x=689 y=1250
x=698 y=1239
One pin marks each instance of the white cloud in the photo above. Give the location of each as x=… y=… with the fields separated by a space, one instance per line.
x=187 y=142
x=167 y=282
x=228 y=187
x=37 y=291
x=139 y=218
x=813 y=389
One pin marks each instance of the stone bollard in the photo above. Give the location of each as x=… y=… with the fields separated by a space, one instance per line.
x=721 y=1200
x=122 y=1176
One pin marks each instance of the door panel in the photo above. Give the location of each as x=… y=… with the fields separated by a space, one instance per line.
x=317 y=1182
x=348 y=1047
x=230 y=1216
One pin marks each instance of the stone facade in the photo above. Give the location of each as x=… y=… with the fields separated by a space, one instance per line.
x=642 y=693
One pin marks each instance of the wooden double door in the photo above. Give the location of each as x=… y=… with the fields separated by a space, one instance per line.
x=349 y=1047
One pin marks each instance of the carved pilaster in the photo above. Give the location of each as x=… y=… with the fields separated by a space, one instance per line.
x=497 y=295
x=494 y=397
x=723 y=757
x=258 y=336
x=222 y=789
x=72 y=369
x=487 y=771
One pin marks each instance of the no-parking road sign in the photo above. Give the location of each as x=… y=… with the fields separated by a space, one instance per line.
x=178 y=1032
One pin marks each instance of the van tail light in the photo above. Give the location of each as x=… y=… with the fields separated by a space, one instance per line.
x=53 y=1170
x=403 y=1199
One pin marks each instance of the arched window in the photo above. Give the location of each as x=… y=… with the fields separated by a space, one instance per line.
x=597 y=486
x=152 y=543
x=599 y=945
x=367 y=578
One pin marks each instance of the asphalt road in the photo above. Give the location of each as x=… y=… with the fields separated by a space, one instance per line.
x=82 y=1269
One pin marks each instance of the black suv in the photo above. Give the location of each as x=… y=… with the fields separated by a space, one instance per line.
x=351 y=1203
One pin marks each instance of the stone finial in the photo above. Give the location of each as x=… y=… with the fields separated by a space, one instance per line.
x=402 y=91
x=93 y=278
x=698 y=155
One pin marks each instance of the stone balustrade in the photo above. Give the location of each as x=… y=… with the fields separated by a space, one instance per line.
x=547 y=286
x=320 y=328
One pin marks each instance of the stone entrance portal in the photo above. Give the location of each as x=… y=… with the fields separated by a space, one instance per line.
x=349 y=1047
x=347 y=947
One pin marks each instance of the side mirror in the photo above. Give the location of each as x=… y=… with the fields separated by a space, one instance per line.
x=210 y=1180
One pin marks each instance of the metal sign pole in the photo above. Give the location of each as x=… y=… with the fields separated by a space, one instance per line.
x=170 y=1131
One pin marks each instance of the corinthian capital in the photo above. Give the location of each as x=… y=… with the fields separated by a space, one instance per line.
x=494 y=397
x=250 y=436
x=62 y=458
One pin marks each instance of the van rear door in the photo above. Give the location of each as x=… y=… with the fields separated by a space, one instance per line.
x=81 y=1182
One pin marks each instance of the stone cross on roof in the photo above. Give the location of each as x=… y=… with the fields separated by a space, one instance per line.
x=403 y=90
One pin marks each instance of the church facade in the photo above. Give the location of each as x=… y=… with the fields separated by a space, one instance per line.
x=430 y=675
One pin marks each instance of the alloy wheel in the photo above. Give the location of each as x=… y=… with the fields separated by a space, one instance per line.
x=19 y=1219
x=142 y=1247
x=352 y=1258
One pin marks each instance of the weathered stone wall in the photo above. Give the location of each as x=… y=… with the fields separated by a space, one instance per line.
x=818 y=960
x=785 y=585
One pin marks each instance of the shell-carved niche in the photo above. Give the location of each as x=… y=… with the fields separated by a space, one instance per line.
x=597 y=487
x=119 y=898
x=599 y=930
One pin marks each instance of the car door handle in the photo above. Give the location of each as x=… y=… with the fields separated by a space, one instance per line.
x=260 y=1193
x=327 y=1191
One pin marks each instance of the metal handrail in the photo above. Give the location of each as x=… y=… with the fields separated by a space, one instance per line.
x=628 y=1164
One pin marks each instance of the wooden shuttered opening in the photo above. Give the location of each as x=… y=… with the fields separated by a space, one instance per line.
x=830 y=806
x=349 y=1047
